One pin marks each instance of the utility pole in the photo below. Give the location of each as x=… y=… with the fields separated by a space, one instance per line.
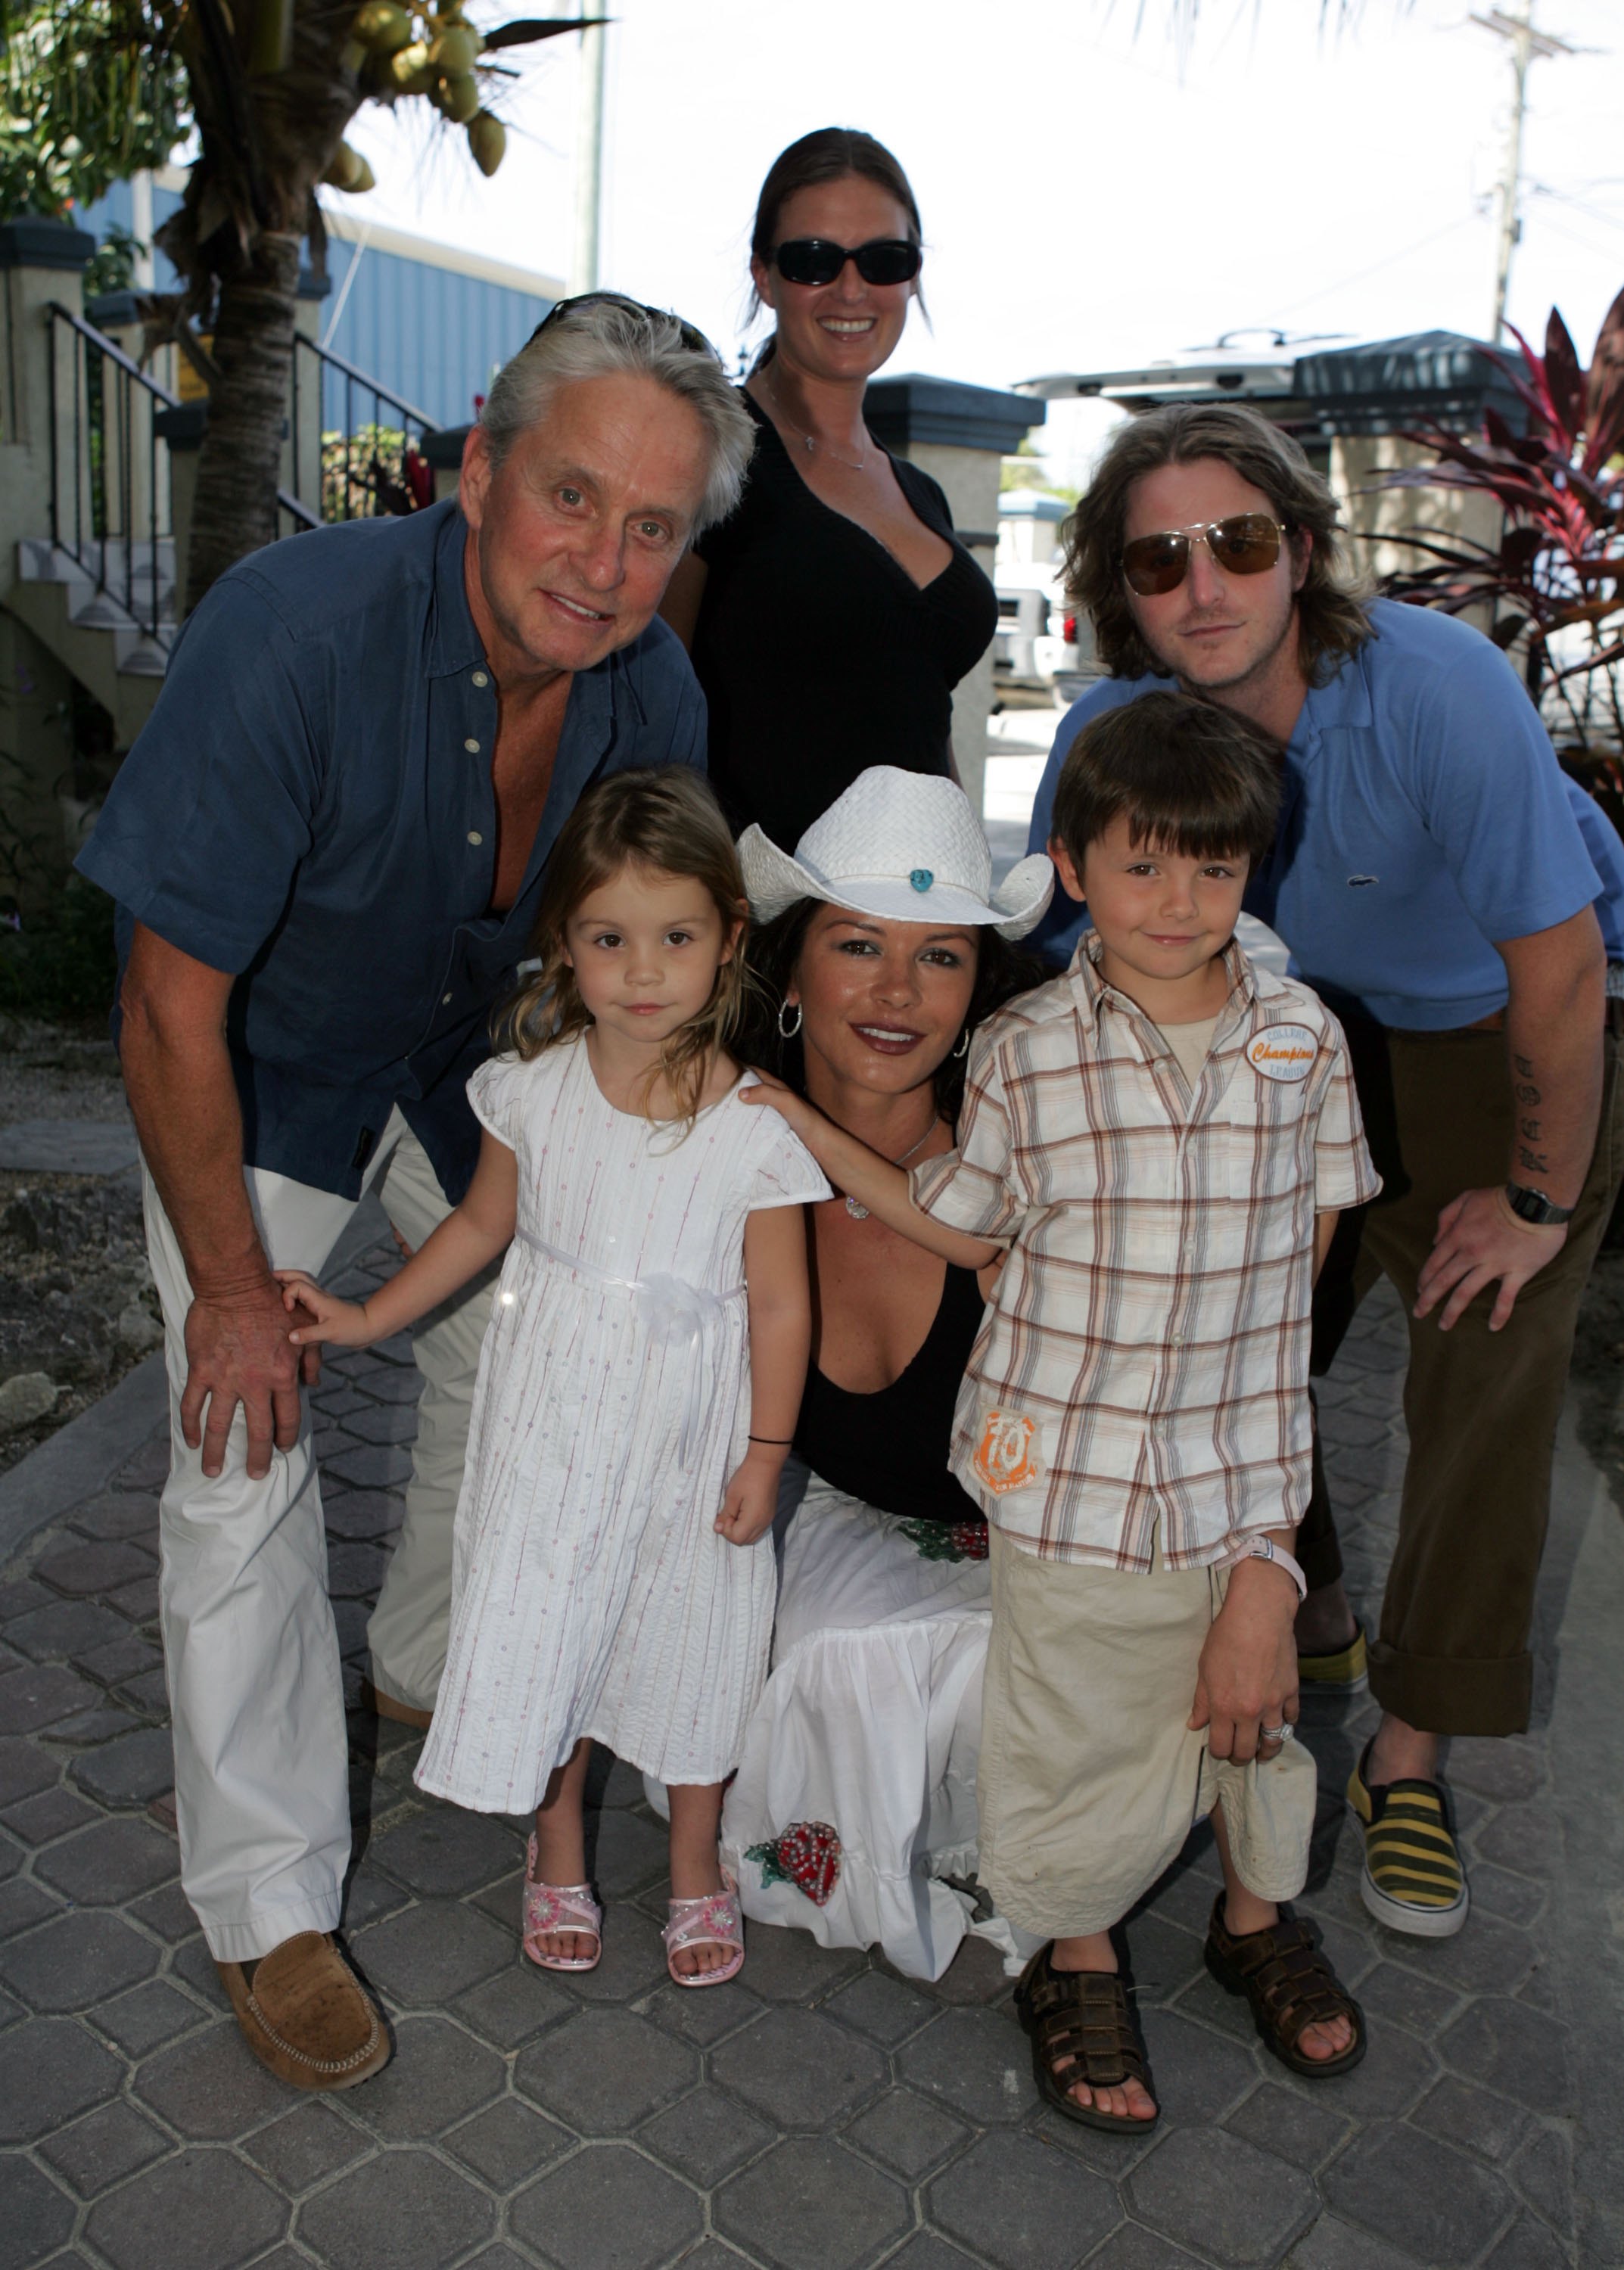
x=589 y=161
x=1516 y=27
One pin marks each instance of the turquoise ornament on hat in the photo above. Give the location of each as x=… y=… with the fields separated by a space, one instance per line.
x=922 y=878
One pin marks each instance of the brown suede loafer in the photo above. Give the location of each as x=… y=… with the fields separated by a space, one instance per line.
x=306 y=2014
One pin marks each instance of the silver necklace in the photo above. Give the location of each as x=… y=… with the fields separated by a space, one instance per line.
x=860 y=1212
x=810 y=441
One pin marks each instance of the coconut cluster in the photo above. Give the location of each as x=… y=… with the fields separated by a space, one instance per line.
x=394 y=51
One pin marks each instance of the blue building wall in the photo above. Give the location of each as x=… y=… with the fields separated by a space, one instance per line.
x=432 y=334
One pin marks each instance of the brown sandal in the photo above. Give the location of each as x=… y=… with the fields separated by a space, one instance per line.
x=1290 y=1986
x=1082 y=2029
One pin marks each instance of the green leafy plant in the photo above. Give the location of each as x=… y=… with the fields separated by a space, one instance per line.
x=1559 y=566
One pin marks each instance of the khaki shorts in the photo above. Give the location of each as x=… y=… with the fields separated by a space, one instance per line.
x=1090 y=1781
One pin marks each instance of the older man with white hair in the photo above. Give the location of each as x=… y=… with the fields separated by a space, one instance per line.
x=327 y=848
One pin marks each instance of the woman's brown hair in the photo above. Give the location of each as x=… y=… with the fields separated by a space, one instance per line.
x=668 y=821
x=1331 y=622
x=832 y=153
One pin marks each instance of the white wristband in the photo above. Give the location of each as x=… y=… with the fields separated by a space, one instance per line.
x=1264 y=1548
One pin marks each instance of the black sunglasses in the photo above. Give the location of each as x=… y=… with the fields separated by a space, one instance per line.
x=815 y=260
x=562 y=309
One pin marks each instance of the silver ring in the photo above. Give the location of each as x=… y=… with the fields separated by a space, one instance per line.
x=1278 y=1733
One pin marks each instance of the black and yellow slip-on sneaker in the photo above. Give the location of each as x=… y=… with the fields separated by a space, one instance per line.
x=1346 y=1671
x=1413 y=1879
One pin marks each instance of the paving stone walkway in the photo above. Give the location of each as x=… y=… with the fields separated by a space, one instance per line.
x=821 y=2113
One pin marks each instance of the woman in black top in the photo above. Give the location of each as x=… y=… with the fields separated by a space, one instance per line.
x=831 y=617
x=868 y=1726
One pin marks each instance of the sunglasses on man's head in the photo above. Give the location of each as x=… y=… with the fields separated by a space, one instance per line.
x=1247 y=543
x=562 y=309
x=817 y=260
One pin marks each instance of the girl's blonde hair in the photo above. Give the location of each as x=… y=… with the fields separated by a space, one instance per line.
x=665 y=820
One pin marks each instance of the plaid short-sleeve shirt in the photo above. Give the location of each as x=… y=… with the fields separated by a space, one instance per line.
x=1146 y=1354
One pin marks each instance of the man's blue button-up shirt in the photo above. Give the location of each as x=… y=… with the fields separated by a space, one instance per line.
x=309 y=808
x=1424 y=817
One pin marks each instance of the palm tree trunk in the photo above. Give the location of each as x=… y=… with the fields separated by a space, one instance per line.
x=235 y=507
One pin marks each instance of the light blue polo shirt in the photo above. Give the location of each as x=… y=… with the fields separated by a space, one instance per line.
x=1425 y=816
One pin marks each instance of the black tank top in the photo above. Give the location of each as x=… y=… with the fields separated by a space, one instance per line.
x=890 y=1448
x=818 y=653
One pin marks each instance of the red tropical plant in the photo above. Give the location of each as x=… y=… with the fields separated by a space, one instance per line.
x=1559 y=564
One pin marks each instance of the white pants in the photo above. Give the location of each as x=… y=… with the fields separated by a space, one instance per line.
x=260 y=1765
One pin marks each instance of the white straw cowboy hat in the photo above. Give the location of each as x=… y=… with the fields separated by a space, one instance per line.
x=905 y=846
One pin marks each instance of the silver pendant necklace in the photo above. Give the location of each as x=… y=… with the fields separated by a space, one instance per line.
x=810 y=441
x=860 y=1212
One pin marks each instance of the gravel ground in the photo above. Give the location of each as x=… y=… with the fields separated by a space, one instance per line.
x=75 y=1296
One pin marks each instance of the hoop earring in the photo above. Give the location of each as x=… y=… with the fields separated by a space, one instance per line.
x=789 y=1032
x=963 y=1049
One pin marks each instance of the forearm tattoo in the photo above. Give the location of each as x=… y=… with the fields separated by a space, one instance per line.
x=1528 y=1125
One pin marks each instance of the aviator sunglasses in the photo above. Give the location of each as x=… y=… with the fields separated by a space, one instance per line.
x=562 y=309
x=1247 y=543
x=817 y=260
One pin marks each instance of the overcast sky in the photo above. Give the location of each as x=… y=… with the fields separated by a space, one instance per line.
x=1091 y=199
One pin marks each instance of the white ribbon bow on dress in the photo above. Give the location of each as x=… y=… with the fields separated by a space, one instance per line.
x=671 y=1310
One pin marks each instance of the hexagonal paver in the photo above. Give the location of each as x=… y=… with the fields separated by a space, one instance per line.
x=607 y=2208
x=799 y=2069
x=113 y=1862
x=1433 y=2202
x=66 y=1627
x=445 y=1853
x=40 y=1820
x=809 y=2204
x=51 y=2070
x=976 y=2062
x=76 y=1961
x=83 y=1569
x=306 y=2145
x=907 y=2133
x=1334 y=2244
x=25 y=1769
x=129 y=1771
x=508 y=2142
x=104 y=2148
x=605 y=2072
x=1461 y=2115
x=40 y=1694
x=706 y=2136
x=1506 y=2046
x=210 y=2086
x=514 y=2006
x=1021 y=2206
x=1302 y=2129
x=1221 y=2196
x=36 y=2220
x=203 y=2210
x=437 y=2075
x=402 y=2211
x=431 y=1953
x=883 y=2008
x=1197 y=2076
x=146 y=2018
x=789 y=1966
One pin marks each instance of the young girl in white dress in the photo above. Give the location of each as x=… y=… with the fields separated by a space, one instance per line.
x=639 y=1380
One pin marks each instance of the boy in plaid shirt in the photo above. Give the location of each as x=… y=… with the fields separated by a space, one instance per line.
x=1161 y=1141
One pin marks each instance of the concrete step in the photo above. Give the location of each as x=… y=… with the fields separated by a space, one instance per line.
x=140 y=648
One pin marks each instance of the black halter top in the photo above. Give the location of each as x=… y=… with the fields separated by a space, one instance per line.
x=889 y=1449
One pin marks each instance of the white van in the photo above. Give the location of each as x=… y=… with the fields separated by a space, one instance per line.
x=1036 y=646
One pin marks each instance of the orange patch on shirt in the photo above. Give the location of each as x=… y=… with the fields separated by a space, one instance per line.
x=1005 y=1454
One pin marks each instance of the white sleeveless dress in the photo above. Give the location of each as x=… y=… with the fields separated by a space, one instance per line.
x=591 y=1594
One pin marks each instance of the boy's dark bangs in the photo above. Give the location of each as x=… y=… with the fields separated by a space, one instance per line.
x=1222 y=832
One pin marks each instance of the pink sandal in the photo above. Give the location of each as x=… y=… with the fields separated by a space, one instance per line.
x=550 y=1908
x=713 y=1920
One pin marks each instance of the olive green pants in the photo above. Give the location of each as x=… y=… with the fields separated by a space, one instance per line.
x=1451 y=1656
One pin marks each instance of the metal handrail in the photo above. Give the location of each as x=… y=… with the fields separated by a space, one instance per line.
x=115 y=353
x=347 y=485
x=105 y=456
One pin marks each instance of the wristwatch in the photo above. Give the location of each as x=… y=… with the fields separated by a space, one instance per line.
x=1264 y=1548
x=1534 y=1207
